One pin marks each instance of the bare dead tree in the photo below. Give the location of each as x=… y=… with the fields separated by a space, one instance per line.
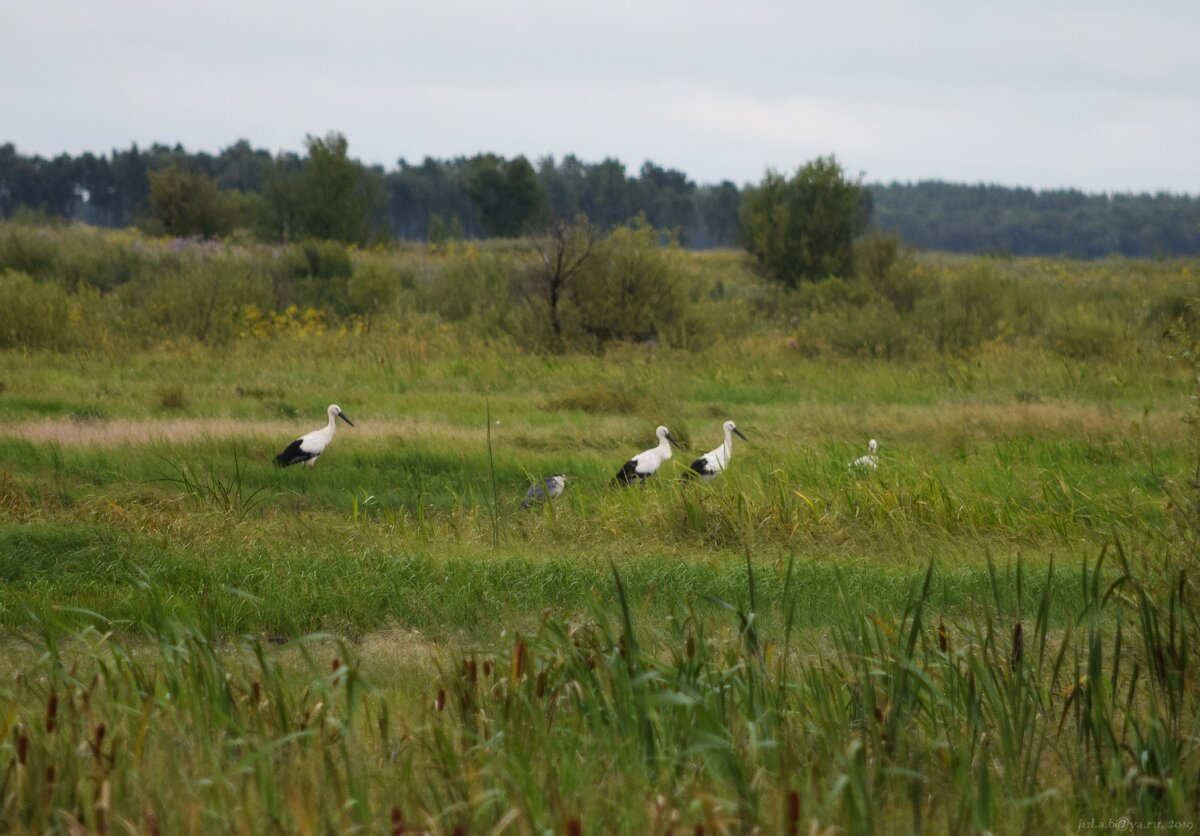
x=561 y=253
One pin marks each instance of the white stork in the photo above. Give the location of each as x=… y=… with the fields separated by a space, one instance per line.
x=308 y=447
x=646 y=463
x=714 y=461
x=870 y=460
x=548 y=488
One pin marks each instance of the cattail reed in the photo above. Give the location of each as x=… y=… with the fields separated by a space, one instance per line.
x=1018 y=647
x=398 y=828
x=151 y=821
x=793 y=812
x=518 y=660
x=22 y=748
x=52 y=712
x=943 y=637
x=98 y=741
x=440 y=701
x=574 y=827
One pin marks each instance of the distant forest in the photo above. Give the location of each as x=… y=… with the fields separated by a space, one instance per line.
x=436 y=198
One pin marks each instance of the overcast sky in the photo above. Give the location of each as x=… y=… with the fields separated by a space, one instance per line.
x=1102 y=95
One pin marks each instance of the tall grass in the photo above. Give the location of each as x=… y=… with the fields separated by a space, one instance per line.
x=996 y=722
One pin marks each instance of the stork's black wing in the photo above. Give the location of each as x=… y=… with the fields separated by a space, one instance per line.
x=628 y=473
x=292 y=455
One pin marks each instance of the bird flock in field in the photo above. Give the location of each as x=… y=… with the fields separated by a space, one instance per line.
x=308 y=448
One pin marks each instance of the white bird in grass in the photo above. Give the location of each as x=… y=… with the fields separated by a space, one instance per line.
x=548 y=488
x=870 y=460
x=309 y=446
x=714 y=461
x=647 y=462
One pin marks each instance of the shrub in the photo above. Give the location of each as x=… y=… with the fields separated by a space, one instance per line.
x=186 y=203
x=631 y=288
x=889 y=268
x=373 y=287
x=468 y=284
x=1081 y=334
x=32 y=315
x=873 y=330
x=202 y=301
x=803 y=229
x=29 y=250
x=314 y=274
x=967 y=310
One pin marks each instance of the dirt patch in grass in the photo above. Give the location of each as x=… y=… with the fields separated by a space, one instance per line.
x=124 y=432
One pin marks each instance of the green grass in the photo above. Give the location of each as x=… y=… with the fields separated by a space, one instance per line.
x=936 y=646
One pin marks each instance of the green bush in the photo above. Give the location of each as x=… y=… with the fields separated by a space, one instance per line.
x=200 y=301
x=632 y=288
x=469 y=284
x=33 y=315
x=1081 y=334
x=874 y=330
x=314 y=274
x=803 y=228
x=30 y=250
x=967 y=310
x=373 y=288
x=186 y=203
x=891 y=269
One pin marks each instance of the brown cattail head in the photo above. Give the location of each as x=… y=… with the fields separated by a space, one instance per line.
x=518 y=662
x=943 y=637
x=151 y=821
x=541 y=684
x=1018 y=647
x=255 y=692
x=691 y=646
x=51 y=712
x=440 y=701
x=22 y=748
x=574 y=827
x=793 y=813
x=398 y=828
x=470 y=670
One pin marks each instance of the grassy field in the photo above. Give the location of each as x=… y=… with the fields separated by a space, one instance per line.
x=994 y=631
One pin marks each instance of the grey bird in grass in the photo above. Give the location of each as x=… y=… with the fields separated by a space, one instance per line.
x=549 y=488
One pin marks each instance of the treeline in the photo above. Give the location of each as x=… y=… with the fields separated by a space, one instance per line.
x=1000 y=220
x=464 y=197
x=271 y=196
